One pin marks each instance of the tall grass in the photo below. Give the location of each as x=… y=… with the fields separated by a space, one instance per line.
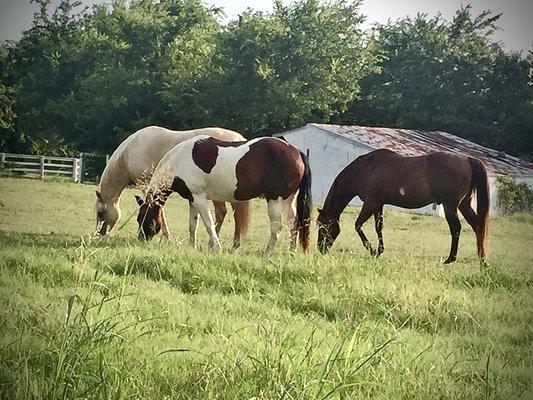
x=113 y=318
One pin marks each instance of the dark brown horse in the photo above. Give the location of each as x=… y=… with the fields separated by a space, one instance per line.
x=385 y=177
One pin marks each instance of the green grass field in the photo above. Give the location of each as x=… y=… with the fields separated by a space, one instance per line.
x=85 y=317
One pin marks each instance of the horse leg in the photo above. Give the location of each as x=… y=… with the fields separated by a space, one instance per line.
x=237 y=231
x=472 y=219
x=201 y=205
x=242 y=216
x=274 y=208
x=469 y=213
x=289 y=211
x=220 y=214
x=193 y=224
x=450 y=211
x=378 y=218
x=164 y=227
x=364 y=215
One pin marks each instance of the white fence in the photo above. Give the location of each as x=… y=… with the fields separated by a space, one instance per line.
x=42 y=165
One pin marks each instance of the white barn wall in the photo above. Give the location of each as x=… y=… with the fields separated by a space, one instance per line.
x=328 y=155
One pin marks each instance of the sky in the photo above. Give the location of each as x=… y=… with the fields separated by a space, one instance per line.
x=516 y=23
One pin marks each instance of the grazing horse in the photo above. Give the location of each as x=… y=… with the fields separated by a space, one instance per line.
x=133 y=162
x=385 y=177
x=204 y=168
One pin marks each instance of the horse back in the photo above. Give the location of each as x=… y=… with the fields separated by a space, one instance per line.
x=413 y=181
x=450 y=175
x=143 y=150
x=266 y=167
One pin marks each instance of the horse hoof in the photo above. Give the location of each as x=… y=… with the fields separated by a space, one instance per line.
x=215 y=248
x=449 y=260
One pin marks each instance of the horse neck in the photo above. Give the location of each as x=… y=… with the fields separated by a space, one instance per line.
x=113 y=181
x=339 y=196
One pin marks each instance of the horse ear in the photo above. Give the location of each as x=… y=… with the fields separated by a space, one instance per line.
x=139 y=200
x=99 y=195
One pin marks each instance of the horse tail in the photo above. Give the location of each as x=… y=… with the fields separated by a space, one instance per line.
x=480 y=182
x=304 y=205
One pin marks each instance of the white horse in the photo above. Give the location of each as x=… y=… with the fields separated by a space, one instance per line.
x=134 y=161
x=204 y=168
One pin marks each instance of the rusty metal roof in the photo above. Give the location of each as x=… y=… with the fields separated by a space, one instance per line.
x=414 y=142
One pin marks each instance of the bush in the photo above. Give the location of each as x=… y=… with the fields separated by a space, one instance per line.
x=514 y=196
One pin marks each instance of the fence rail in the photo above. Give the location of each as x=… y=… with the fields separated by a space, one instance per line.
x=42 y=165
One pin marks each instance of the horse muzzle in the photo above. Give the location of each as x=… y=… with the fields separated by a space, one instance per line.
x=102 y=228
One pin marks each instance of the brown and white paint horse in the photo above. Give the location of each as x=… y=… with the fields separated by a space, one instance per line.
x=385 y=177
x=134 y=161
x=204 y=168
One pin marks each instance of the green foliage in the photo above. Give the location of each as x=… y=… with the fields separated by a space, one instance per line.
x=84 y=317
x=85 y=79
x=449 y=76
x=138 y=48
x=514 y=196
x=302 y=63
x=7 y=115
x=94 y=77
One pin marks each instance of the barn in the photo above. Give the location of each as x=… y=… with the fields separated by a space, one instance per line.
x=331 y=147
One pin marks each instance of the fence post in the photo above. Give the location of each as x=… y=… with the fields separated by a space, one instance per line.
x=82 y=166
x=78 y=171
x=106 y=159
x=41 y=159
x=2 y=157
x=75 y=170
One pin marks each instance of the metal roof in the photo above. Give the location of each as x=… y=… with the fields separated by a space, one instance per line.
x=414 y=142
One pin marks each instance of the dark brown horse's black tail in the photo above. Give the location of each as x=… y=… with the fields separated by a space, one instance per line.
x=304 y=205
x=480 y=182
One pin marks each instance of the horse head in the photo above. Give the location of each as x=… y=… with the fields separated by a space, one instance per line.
x=150 y=217
x=328 y=230
x=107 y=214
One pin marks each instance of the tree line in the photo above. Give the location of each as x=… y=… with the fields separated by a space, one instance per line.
x=83 y=79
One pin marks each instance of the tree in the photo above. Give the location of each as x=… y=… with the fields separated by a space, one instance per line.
x=438 y=75
x=83 y=80
x=277 y=71
x=92 y=78
x=138 y=53
x=7 y=115
x=40 y=69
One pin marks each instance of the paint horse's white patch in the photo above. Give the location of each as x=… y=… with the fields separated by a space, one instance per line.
x=402 y=191
x=219 y=184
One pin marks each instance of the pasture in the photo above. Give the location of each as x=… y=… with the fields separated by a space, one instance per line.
x=85 y=317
